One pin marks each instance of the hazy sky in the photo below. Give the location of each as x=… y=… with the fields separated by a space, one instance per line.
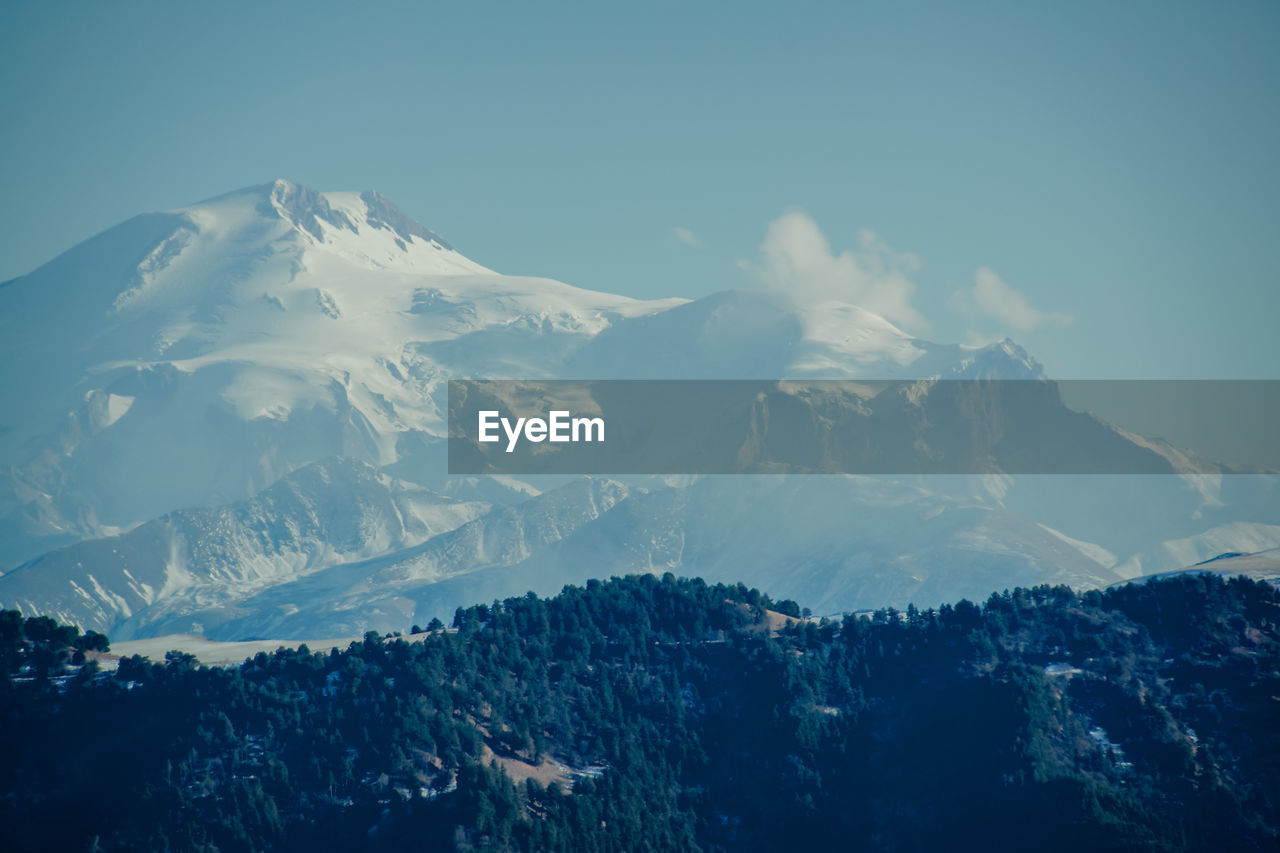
x=1099 y=181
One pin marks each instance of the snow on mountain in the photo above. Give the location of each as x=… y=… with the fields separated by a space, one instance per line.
x=194 y=357
x=1238 y=537
x=1260 y=566
x=371 y=593
x=211 y=559
x=229 y=419
x=836 y=543
x=748 y=334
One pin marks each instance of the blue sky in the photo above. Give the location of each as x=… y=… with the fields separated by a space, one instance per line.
x=1098 y=181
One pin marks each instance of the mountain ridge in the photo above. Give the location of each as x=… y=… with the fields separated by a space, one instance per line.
x=227 y=343
x=222 y=348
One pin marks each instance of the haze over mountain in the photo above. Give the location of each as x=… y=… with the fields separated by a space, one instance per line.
x=229 y=418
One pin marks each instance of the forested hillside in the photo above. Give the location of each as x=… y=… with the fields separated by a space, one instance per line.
x=660 y=714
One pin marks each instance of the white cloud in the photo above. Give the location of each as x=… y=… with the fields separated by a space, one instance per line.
x=796 y=259
x=992 y=296
x=684 y=235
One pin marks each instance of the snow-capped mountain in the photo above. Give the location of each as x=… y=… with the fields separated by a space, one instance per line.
x=230 y=418
x=746 y=334
x=209 y=560
x=195 y=357
x=828 y=541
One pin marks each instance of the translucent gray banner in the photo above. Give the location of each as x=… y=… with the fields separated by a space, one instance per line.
x=615 y=427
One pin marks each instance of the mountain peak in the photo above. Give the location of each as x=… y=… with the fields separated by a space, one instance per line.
x=305 y=208
x=363 y=227
x=210 y=350
x=321 y=215
x=381 y=212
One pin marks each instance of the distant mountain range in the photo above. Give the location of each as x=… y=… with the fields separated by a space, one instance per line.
x=229 y=419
